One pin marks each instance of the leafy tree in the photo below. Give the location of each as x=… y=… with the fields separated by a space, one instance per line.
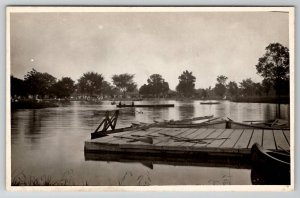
x=247 y=87
x=258 y=89
x=39 y=83
x=221 y=79
x=220 y=87
x=90 y=83
x=204 y=93
x=124 y=82
x=108 y=89
x=145 y=90
x=186 y=86
x=18 y=87
x=274 y=66
x=232 y=88
x=156 y=86
x=63 y=88
x=266 y=86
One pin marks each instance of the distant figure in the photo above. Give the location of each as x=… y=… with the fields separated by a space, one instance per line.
x=120 y=103
x=132 y=104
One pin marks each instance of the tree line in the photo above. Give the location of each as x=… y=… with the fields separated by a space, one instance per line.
x=273 y=66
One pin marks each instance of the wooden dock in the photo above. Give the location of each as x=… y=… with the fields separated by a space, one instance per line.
x=188 y=143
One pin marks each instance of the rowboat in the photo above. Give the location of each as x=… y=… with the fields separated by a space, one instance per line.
x=209 y=103
x=243 y=125
x=146 y=105
x=269 y=167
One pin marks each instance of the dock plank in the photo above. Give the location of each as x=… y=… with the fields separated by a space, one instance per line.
x=117 y=140
x=215 y=134
x=110 y=137
x=281 y=141
x=256 y=137
x=170 y=141
x=244 y=140
x=176 y=143
x=159 y=138
x=202 y=135
x=287 y=135
x=235 y=135
x=194 y=135
x=268 y=140
x=217 y=143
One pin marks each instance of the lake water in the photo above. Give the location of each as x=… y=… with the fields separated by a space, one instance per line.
x=49 y=143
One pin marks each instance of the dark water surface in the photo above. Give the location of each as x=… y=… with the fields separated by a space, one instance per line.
x=50 y=142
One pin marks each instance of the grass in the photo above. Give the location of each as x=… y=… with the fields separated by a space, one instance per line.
x=21 y=179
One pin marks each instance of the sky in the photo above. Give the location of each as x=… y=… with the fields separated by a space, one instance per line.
x=207 y=43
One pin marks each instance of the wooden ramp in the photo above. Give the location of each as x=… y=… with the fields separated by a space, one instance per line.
x=189 y=143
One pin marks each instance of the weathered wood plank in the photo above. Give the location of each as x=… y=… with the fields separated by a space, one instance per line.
x=268 y=140
x=235 y=135
x=257 y=137
x=244 y=140
x=205 y=134
x=168 y=141
x=280 y=140
x=287 y=136
x=213 y=135
x=158 y=137
x=194 y=135
x=216 y=143
x=174 y=143
x=110 y=137
x=117 y=140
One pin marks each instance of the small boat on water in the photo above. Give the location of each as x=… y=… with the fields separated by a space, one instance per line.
x=145 y=105
x=270 y=167
x=209 y=103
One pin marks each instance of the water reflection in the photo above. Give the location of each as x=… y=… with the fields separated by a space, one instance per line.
x=186 y=110
x=51 y=141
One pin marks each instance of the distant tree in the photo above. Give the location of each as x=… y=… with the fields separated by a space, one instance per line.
x=220 y=87
x=144 y=90
x=274 y=66
x=266 y=85
x=63 y=88
x=258 y=89
x=108 y=89
x=232 y=88
x=186 y=86
x=90 y=84
x=221 y=79
x=17 y=87
x=157 y=85
x=124 y=82
x=247 y=87
x=220 y=90
x=204 y=93
x=39 y=83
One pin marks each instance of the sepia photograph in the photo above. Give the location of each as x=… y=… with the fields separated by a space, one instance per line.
x=150 y=98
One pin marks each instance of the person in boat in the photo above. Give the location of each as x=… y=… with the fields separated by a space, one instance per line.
x=120 y=103
x=132 y=104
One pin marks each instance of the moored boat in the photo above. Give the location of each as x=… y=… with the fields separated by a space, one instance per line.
x=145 y=105
x=209 y=103
x=269 y=167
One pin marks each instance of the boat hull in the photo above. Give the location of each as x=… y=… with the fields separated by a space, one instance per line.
x=269 y=167
x=153 y=106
